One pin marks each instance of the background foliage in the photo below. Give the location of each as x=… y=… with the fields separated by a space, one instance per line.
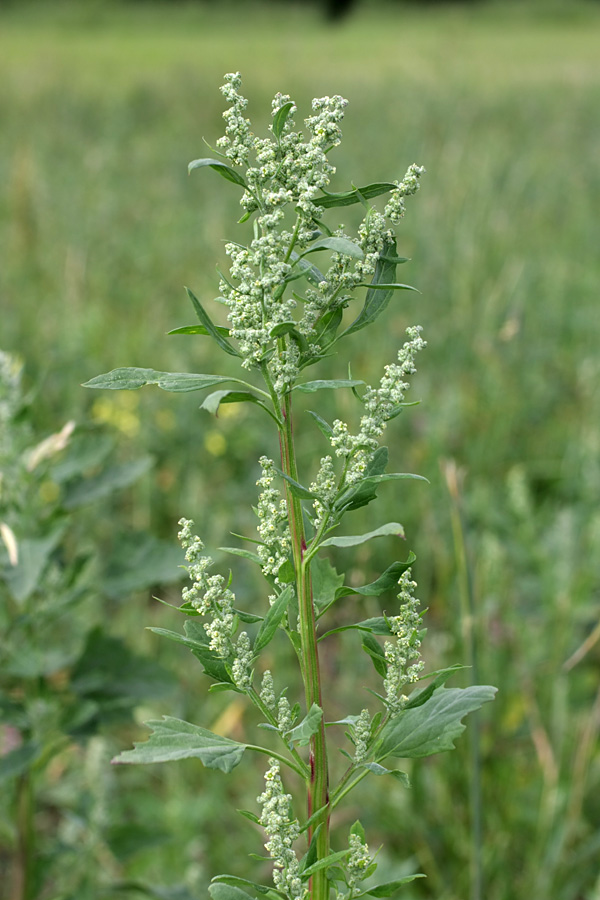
x=102 y=107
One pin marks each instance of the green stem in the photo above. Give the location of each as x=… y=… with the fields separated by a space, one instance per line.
x=319 y=778
x=22 y=887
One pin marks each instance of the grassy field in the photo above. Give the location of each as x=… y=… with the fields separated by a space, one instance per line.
x=101 y=108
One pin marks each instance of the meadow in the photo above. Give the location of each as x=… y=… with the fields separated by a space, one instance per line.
x=102 y=107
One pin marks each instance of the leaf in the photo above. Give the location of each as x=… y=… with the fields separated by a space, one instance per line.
x=377 y=299
x=324 y=864
x=325 y=583
x=389 y=287
x=220 y=891
x=309 y=725
x=376 y=769
x=359 y=830
x=433 y=726
x=199 y=329
x=353 y=540
x=130 y=379
x=323 y=426
x=361 y=494
x=309 y=387
x=190 y=643
x=19 y=760
x=348 y=198
x=376 y=625
x=340 y=245
x=418 y=698
x=389 y=887
x=245 y=554
x=386 y=581
x=234 y=881
x=372 y=648
x=297 y=489
x=140 y=561
x=272 y=621
x=174 y=739
x=284 y=328
x=220 y=167
x=314 y=275
x=34 y=555
x=214 y=666
x=212 y=329
x=114 y=478
x=213 y=401
x=280 y=118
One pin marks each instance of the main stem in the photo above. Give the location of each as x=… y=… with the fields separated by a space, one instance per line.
x=318 y=798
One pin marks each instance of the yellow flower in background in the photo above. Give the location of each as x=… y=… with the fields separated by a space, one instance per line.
x=120 y=412
x=215 y=443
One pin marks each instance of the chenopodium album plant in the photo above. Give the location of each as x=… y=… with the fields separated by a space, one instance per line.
x=286 y=315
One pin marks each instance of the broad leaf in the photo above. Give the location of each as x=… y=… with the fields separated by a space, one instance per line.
x=220 y=891
x=212 y=329
x=325 y=583
x=377 y=299
x=130 y=379
x=353 y=540
x=340 y=245
x=418 y=698
x=272 y=621
x=348 y=198
x=174 y=739
x=309 y=725
x=220 y=167
x=433 y=726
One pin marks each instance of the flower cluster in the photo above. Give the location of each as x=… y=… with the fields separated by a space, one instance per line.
x=362 y=734
x=358 y=862
x=394 y=209
x=402 y=655
x=282 y=830
x=272 y=528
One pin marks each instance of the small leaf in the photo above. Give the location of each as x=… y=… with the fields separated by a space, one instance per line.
x=348 y=198
x=361 y=494
x=174 y=739
x=249 y=815
x=309 y=387
x=284 y=328
x=199 y=329
x=280 y=118
x=386 y=581
x=433 y=726
x=311 y=855
x=272 y=621
x=343 y=246
x=325 y=583
x=376 y=769
x=286 y=572
x=372 y=648
x=355 y=539
x=245 y=554
x=389 y=887
x=360 y=831
x=212 y=329
x=297 y=489
x=418 y=698
x=227 y=892
x=312 y=274
x=324 y=864
x=179 y=638
x=323 y=426
x=213 y=401
x=220 y=167
x=221 y=686
x=234 y=881
x=389 y=287
x=311 y=821
x=309 y=725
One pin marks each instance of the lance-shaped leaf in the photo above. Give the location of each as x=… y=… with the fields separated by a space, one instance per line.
x=386 y=581
x=220 y=167
x=314 y=275
x=433 y=726
x=280 y=118
x=211 y=328
x=375 y=625
x=348 y=198
x=373 y=649
x=324 y=863
x=272 y=620
x=353 y=540
x=284 y=328
x=234 y=881
x=212 y=403
x=199 y=329
x=364 y=490
x=361 y=494
x=377 y=769
x=130 y=379
x=305 y=729
x=343 y=246
x=418 y=698
x=323 y=426
x=174 y=739
x=309 y=387
x=377 y=297
x=297 y=489
x=221 y=891
x=389 y=888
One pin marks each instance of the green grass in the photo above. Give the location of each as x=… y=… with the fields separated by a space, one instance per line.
x=102 y=107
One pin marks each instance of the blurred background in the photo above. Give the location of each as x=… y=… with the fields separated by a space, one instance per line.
x=102 y=105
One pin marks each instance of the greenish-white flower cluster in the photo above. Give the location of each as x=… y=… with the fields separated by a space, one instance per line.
x=402 y=655
x=362 y=734
x=358 y=862
x=273 y=526
x=282 y=831
x=394 y=209
x=211 y=597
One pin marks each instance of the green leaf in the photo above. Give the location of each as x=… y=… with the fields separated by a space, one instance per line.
x=324 y=864
x=234 y=881
x=312 y=274
x=386 y=581
x=174 y=739
x=323 y=426
x=309 y=387
x=373 y=649
x=348 y=198
x=272 y=621
x=359 y=830
x=433 y=726
x=190 y=643
x=286 y=572
x=245 y=554
x=376 y=625
x=297 y=489
x=340 y=245
x=280 y=118
x=361 y=494
x=220 y=167
x=212 y=329
x=220 y=891
x=389 y=287
x=377 y=299
x=284 y=328
x=309 y=725
x=34 y=555
x=114 y=478
x=19 y=760
x=325 y=582
x=311 y=855
x=388 y=888
x=376 y=769
x=213 y=665
x=418 y=698
x=130 y=379
x=140 y=561
x=353 y=540
x=199 y=329
x=213 y=401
